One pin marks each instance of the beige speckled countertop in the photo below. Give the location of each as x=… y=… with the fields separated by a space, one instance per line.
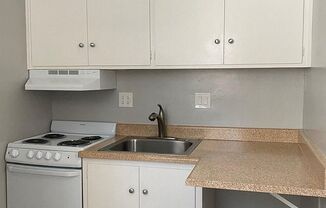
x=259 y=167
x=283 y=168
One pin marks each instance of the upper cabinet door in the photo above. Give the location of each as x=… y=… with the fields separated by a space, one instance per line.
x=57 y=32
x=264 y=31
x=188 y=32
x=119 y=32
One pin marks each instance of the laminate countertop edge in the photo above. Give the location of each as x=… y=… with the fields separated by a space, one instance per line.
x=257 y=188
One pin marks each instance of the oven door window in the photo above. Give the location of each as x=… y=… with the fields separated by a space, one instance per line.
x=41 y=187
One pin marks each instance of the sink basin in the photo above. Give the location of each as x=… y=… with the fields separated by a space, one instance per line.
x=153 y=145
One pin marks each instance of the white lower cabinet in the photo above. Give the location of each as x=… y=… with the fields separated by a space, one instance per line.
x=166 y=188
x=109 y=185
x=122 y=184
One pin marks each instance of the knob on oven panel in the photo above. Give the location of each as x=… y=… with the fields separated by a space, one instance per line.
x=39 y=155
x=43 y=157
x=30 y=154
x=48 y=155
x=57 y=156
x=14 y=153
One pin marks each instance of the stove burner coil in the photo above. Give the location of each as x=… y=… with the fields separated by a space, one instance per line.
x=73 y=143
x=54 y=136
x=91 y=138
x=36 y=141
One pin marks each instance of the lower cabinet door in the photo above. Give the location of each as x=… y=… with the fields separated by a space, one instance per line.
x=112 y=186
x=165 y=188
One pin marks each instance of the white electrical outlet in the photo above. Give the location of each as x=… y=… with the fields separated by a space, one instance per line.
x=202 y=100
x=126 y=99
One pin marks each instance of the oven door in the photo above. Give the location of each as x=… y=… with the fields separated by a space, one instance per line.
x=42 y=187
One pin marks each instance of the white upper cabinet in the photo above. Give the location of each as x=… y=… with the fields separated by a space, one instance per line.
x=264 y=31
x=56 y=28
x=188 y=32
x=86 y=33
x=119 y=32
x=168 y=34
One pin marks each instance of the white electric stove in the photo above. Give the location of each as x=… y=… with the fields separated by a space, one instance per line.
x=45 y=170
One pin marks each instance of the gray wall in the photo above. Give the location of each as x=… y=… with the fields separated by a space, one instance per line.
x=315 y=79
x=22 y=113
x=270 y=98
x=315 y=83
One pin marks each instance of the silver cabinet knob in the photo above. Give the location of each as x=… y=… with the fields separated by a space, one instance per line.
x=217 y=41
x=92 y=45
x=145 y=191
x=231 y=41
x=81 y=45
x=131 y=190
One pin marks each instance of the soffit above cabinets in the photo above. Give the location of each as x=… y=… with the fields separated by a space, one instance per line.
x=168 y=34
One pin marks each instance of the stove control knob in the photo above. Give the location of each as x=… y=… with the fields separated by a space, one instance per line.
x=57 y=156
x=39 y=155
x=30 y=154
x=48 y=155
x=14 y=153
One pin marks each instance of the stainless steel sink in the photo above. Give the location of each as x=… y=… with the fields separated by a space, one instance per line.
x=154 y=145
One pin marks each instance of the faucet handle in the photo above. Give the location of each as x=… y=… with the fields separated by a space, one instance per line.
x=153 y=116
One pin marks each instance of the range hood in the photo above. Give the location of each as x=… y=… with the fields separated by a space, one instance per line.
x=71 y=80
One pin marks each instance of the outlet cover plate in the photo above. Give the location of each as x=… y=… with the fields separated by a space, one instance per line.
x=202 y=100
x=126 y=100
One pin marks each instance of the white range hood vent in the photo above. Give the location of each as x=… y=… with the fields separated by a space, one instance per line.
x=71 y=80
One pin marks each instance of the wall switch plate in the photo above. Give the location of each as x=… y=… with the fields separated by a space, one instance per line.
x=126 y=100
x=202 y=100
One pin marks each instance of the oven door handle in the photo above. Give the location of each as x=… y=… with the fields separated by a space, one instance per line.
x=26 y=170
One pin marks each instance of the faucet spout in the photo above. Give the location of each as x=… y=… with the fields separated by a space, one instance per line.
x=160 y=117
